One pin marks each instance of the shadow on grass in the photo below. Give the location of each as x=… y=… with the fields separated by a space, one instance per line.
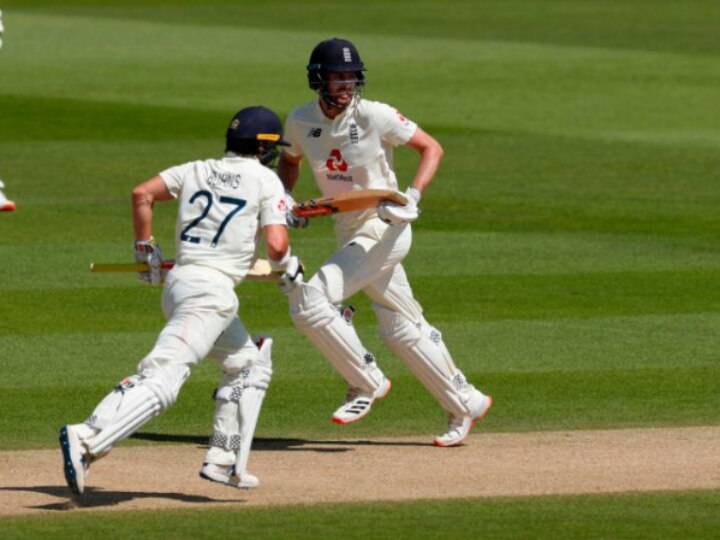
x=285 y=445
x=96 y=498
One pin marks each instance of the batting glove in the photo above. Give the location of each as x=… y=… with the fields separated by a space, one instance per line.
x=292 y=271
x=293 y=221
x=395 y=214
x=292 y=277
x=148 y=251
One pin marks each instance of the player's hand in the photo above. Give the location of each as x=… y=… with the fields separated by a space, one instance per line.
x=395 y=214
x=148 y=251
x=293 y=275
x=293 y=221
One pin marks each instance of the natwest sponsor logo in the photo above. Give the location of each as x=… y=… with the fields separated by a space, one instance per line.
x=336 y=162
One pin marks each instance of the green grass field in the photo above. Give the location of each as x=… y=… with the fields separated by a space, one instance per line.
x=569 y=248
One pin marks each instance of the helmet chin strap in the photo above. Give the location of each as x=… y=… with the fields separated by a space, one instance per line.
x=332 y=104
x=325 y=95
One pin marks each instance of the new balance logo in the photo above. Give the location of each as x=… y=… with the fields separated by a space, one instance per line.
x=314 y=133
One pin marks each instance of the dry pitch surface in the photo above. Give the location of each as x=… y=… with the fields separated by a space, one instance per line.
x=308 y=472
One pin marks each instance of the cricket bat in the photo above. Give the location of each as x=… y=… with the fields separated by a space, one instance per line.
x=261 y=271
x=352 y=201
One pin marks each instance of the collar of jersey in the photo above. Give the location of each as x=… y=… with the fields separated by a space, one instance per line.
x=354 y=105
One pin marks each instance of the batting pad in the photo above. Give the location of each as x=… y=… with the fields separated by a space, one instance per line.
x=138 y=406
x=334 y=337
x=133 y=403
x=421 y=348
x=238 y=403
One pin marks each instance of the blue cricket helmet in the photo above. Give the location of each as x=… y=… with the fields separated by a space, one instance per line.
x=255 y=131
x=334 y=55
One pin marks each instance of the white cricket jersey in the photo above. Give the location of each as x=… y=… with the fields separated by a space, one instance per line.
x=353 y=149
x=222 y=205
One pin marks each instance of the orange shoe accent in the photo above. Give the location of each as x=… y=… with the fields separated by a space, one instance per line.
x=387 y=391
x=472 y=425
x=459 y=443
x=487 y=410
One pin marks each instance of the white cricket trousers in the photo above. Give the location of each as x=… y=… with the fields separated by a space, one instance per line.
x=201 y=307
x=369 y=259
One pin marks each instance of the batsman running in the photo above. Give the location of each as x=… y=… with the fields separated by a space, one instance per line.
x=223 y=204
x=348 y=142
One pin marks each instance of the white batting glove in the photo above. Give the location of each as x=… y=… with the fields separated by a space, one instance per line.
x=292 y=271
x=293 y=221
x=293 y=276
x=148 y=251
x=395 y=214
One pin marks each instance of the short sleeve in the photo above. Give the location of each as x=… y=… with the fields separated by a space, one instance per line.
x=174 y=178
x=394 y=127
x=272 y=202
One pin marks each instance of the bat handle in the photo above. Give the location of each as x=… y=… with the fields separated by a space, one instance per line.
x=312 y=212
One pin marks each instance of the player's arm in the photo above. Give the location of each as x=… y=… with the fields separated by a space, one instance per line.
x=143 y=198
x=146 y=248
x=289 y=170
x=278 y=244
x=278 y=251
x=431 y=154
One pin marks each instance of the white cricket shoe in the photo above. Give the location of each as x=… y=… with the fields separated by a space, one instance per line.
x=225 y=474
x=75 y=459
x=358 y=404
x=460 y=426
x=6 y=205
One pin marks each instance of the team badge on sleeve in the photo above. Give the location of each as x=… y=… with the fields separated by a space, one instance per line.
x=347 y=312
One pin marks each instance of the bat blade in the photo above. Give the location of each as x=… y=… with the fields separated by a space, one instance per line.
x=126 y=267
x=352 y=201
x=261 y=270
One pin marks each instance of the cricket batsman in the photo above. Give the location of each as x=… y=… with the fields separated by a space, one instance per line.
x=223 y=206
x=348 y=142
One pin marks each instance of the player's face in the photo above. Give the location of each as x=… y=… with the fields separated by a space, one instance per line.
x=341 y=86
